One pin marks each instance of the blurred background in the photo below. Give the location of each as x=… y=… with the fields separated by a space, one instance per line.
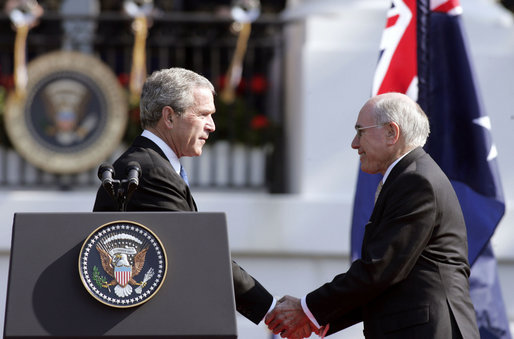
x=280 y=163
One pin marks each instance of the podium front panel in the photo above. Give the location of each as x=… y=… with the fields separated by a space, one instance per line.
x=46 y=297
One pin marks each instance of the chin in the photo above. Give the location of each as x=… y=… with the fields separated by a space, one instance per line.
x=368 y=170
x=198 y=152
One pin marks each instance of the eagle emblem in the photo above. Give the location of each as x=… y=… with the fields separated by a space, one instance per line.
x=117 y=265
x=122 y=264
x=69 y=121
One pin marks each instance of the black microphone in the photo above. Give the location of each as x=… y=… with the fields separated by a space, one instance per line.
x=105 y=174
x=133 y=175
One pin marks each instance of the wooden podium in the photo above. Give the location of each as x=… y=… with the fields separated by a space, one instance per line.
x=46 y=297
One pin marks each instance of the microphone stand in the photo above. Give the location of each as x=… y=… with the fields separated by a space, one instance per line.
x=120 y=190
x=121 y=195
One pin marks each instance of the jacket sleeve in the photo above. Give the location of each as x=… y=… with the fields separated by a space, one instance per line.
x=252 y=299
x=399 y=229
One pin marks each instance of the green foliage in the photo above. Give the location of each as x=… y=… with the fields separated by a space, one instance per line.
x=241 y=123
x=99 y=280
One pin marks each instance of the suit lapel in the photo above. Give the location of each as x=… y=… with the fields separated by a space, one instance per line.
x=376 y=214
x=144 y=142
x=404 y=163
x=397 y=170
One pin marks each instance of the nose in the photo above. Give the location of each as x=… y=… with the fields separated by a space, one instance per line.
x=355 y=142
x=210 y=126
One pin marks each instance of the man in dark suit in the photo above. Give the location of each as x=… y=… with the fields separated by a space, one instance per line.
x=176 y=114
x=412 y=279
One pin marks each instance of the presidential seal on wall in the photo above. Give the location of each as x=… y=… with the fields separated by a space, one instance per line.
x=122 y=264
x=73 y=115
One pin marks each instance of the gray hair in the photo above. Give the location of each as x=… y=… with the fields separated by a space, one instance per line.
x=169 y=87
x=399 y=108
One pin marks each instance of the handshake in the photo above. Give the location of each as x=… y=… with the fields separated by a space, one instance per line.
x=289 y=319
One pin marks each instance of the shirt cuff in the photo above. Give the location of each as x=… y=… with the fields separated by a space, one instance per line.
x=273 y=304
x=308 y=312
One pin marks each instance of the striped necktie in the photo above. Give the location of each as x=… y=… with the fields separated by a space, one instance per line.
x=183 y=174
x=377 y=192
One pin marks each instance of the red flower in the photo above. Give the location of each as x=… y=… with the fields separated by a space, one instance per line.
x=7 y=81
x=222 y=80
x=259 y=122
x=124 y=79
x=259 y=84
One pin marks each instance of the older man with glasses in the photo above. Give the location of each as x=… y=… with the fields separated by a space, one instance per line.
x=412 y=279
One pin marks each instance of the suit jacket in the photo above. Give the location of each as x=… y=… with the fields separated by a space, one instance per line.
x=412 y=279
x=162 y=189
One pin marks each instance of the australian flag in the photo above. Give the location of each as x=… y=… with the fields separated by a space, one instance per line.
x=423 y=54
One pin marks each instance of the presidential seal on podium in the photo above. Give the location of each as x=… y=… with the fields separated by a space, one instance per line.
x=122 y=264
x=73 y=116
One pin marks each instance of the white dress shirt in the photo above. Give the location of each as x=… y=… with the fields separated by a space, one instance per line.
x=168 y=152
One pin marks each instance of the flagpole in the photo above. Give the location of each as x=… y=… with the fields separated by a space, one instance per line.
x=140 y=25
x=244 y=12
x=24 y=16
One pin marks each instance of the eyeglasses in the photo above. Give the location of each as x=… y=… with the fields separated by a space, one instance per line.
x=360 y=129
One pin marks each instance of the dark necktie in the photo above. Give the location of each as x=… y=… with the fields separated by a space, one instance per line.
x=183 y=174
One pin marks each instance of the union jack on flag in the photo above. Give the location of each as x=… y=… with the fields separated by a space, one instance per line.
x=397 y=65
x=397 y=68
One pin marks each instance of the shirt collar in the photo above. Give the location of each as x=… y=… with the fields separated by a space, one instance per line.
x=390 y=168
x=168 y=152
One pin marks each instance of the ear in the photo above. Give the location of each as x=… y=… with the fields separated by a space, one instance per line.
x=167 y=116
x=392 y=133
